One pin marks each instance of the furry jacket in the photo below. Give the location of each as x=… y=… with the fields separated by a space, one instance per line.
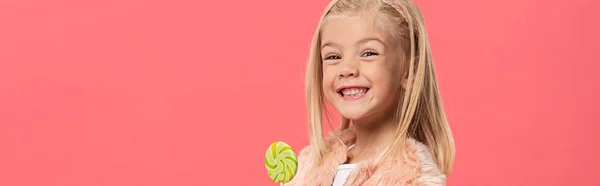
x=419 y=168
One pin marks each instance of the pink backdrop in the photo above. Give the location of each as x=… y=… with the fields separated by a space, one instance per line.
x=133 y=92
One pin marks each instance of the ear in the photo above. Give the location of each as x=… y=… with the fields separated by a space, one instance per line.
x=404 y=82
x=405 y=79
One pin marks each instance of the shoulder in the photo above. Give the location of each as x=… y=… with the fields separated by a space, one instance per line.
x=336 y=152
x=308 y=173
x=417 y=168
x=306 y=156
x=428 y=172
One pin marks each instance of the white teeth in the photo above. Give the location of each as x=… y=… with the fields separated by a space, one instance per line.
x=354 y=91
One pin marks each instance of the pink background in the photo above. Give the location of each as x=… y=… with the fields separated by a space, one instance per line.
x=133 y=92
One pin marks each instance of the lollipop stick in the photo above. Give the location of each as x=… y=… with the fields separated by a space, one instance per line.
x=281 y=184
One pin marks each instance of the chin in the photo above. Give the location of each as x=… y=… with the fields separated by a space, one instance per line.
x=353 y=114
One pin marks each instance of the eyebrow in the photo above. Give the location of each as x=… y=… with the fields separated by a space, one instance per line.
x=329 y=43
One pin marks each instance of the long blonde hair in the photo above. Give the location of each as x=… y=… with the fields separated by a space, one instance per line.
x=420 y=113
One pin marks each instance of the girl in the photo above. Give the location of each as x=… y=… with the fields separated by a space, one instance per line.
x=371 y=60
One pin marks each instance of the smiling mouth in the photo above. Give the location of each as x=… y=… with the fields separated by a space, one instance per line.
x=353 y=92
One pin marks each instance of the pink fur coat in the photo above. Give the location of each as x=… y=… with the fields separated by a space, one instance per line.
x=419 y=168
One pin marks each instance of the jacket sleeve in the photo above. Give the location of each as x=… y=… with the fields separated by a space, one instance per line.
x=429 y=175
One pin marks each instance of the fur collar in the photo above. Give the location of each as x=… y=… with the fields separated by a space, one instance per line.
x=419 y=167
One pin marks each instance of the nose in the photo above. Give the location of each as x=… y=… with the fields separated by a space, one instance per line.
x=349 y=71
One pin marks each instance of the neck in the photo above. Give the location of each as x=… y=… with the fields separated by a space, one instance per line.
x=372 y=137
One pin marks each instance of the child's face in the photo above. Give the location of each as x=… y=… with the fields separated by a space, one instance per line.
x=361 y=68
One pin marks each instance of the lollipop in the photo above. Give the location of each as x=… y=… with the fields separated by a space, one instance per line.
x=281 y=162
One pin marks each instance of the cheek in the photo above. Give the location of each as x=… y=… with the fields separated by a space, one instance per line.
x=386 y=79
x=329 y=75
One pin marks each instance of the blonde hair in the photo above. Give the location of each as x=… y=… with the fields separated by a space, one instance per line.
x=420 y=114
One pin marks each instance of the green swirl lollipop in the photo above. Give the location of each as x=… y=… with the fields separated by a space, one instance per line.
x=281 y=162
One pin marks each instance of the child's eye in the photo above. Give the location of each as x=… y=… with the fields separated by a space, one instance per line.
x=369 y=53
x=332 y=57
